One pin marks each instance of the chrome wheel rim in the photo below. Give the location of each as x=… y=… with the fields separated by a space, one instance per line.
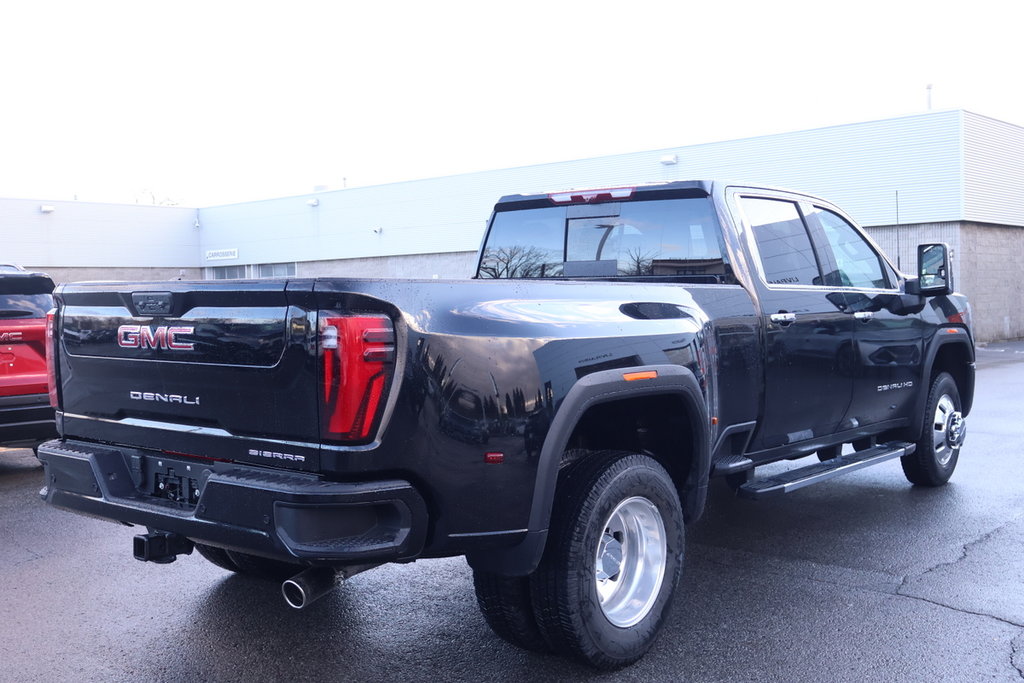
x=948 y=430
x=630 y=565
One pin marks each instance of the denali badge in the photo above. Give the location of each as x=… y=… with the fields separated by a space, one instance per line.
x=163 y=398
x=146 y=337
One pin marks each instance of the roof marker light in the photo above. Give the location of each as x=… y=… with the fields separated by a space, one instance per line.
x=575 y=196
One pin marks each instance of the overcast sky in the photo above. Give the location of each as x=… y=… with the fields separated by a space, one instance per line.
x=216 y=102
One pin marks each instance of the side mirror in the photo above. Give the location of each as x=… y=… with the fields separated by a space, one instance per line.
x=934 y=275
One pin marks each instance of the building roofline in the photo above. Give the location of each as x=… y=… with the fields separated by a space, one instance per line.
x=675 y=148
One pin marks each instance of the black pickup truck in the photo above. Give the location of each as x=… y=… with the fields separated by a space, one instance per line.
x=555 y=419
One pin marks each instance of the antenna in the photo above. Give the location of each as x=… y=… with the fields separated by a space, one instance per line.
x=899 y=247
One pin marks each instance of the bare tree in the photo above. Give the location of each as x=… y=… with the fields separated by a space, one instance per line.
x=516 y=261
x=637 y=263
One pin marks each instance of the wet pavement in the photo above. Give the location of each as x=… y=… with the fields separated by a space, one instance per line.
x=861 y=578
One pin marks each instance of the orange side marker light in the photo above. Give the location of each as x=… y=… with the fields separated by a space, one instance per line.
x=633 y=376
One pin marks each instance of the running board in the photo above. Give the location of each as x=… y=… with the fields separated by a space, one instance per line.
x=792 y=480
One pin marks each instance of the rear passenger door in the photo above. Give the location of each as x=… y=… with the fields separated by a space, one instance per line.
x=808 y=342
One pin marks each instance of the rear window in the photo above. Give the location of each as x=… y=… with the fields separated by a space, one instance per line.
x=675 y=238
x=25 y=305
x=25 y=297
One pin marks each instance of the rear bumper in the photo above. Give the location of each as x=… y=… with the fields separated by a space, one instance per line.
x=284 y=515
x=26 y=419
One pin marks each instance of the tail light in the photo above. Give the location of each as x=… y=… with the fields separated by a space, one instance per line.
x=358 y=356
x=51 y=357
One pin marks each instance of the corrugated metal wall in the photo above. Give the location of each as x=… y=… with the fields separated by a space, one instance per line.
x=993 y=171
x=910 y=166
x=928 y=168
x=82 y=234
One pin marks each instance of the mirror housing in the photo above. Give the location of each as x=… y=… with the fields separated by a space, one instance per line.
x=934 y=275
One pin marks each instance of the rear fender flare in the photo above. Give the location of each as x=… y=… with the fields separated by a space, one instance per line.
x=591 y=390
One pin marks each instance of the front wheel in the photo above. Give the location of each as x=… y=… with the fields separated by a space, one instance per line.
x=938 y=449
x=614 y=557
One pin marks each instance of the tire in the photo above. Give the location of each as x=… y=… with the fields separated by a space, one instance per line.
x=866 y=443
x=613 y=559
x=217 y=556
x=737 y=479
x=507 y=608
x=942 y=435
x=830 y=452
x=263 y=567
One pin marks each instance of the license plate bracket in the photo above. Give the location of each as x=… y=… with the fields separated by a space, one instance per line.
x=173 y=481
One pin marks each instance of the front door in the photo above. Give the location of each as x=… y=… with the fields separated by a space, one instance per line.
x=889 y=346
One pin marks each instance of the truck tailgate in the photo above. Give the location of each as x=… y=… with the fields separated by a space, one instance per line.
x=22 y=356
x=218 y=370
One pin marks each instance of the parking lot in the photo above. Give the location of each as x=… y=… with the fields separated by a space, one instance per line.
x=861 y=578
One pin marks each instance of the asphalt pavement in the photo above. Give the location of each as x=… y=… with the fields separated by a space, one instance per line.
x=863 y=578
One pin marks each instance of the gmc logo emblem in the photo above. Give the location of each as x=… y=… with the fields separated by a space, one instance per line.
x=146 y=337
x=10 y=336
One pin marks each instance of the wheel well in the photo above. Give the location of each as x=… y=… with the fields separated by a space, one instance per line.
x=954 y=359
x=656 y=425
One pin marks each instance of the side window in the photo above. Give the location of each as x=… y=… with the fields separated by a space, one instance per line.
x=787 y=257
x=856 y=263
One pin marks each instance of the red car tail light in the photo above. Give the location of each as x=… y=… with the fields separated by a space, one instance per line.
x=358 y=355
x=51 y=357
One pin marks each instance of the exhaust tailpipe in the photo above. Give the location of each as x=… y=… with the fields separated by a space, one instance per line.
x=310 y=585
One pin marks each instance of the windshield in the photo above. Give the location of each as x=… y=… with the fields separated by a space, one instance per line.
x=677 y=238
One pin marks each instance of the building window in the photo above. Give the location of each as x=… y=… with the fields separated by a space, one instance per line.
x=266 y=270
x=227 y=272
x=275 y=270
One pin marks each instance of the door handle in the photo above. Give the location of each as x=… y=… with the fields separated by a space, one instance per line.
x=783 y=319
x=863 y=316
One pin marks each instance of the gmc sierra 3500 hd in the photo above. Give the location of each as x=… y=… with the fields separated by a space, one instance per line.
x=556 y=419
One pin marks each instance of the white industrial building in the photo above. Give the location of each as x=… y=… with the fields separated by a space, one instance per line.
x=951 y=176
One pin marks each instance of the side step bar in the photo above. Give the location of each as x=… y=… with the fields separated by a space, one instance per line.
x=792 y=480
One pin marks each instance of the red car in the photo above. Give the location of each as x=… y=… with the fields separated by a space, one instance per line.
x=26 y=416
